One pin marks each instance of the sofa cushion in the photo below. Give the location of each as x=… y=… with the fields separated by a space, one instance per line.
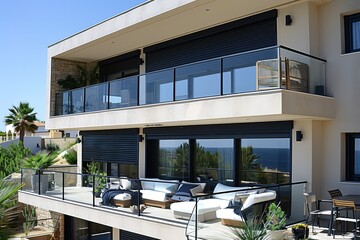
x=154 y=195
x=224 y=188
x=125 y=184
x=201 y=184
x=148 y=185
x=166 y=187
x=197 y=189
x=185 y=189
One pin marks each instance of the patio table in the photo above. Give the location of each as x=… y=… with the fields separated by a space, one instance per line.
x=351 y=197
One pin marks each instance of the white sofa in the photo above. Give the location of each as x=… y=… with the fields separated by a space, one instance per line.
x=157 y=192
x=206 y=207
x=230 y=218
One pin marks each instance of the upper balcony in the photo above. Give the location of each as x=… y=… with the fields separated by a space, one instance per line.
x=276 y=82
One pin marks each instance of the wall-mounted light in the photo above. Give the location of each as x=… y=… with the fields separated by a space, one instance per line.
x=141 y=61
x=288 y=20
x=78 y=140
x=141 y=138
x=299 y=136
x=37 y=145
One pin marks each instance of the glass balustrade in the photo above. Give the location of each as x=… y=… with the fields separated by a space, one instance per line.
x=203 y=215
x=258 y=70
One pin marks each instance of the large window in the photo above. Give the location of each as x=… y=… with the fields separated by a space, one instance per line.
x=214 y=161
x=353 y=157
x=231 y=154
x=174 y=159
x=352 y=33
x=265 y=160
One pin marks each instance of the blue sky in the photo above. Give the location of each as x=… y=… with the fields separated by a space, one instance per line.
x=27 y=28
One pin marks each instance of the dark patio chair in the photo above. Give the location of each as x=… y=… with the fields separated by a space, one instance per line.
x=354 y=219
x=335 y=193
x=314 y=210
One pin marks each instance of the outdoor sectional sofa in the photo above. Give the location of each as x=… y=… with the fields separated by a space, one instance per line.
x=206 y=207
x=157 y=192
x=222 y=205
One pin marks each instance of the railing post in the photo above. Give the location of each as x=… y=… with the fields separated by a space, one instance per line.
x=138 y=199
x=222 y=77
x=174 y=84
x=93 y=177
x=196 y=217
x=279 y=67
x=63 y=185
x=39 y=177
x=21 y=179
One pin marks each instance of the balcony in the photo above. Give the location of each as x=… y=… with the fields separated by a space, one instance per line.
x=257 y=71
x=70 y=193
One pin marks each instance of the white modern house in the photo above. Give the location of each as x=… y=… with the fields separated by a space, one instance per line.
x=186 y=89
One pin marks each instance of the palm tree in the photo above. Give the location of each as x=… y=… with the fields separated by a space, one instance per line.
x=8 y=208
x=22 y=118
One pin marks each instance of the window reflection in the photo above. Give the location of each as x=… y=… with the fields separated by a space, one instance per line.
x=159 y=86
x=239 y=72
x=123 y=93
x=174 y=159
x=96 y=97
x=214 y=161
x=265 y=161
x=77 y=101
x=190 y=81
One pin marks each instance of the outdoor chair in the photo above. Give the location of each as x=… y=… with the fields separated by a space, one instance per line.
x=335 y=193
x=313 y=209
x=354 y=219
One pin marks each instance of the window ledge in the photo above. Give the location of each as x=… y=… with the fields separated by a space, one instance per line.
x=350 y=183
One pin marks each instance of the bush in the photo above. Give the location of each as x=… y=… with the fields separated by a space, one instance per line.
x=52 y=147
x=11 y=157
x=71 y=156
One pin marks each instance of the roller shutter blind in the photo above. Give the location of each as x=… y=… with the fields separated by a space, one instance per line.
x=111 y=146
x=243 y=35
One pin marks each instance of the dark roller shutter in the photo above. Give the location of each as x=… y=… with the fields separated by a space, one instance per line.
x=110 y=146
x=247 y=34
x=133 y=236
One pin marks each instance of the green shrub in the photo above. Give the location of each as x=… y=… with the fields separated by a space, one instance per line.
x=52 y=147
x=71 y=156
x=11 y=157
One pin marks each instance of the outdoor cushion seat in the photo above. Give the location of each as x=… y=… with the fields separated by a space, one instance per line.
x=206 y=209
x=232 y=215
x=157 y=192
x=122 y=197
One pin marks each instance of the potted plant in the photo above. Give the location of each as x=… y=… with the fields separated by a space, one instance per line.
x=275 y=222
x=97 y=176
x=251 y=231
x=38 y=163
x=300 y=231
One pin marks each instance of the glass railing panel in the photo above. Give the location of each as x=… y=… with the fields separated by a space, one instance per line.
x=198 y=80
x=76 y=99
x=26 y=178
x=239 y=71
x=305 y=73
x=123 y=93
x=96 y=97
x=62 y=104
x=55 y=180
x=240 y=204
x=157 y=87
x=78 y=188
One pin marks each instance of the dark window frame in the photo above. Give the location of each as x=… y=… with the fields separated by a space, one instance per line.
x=350 y=157
x=231 y=131
x=348 y=21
